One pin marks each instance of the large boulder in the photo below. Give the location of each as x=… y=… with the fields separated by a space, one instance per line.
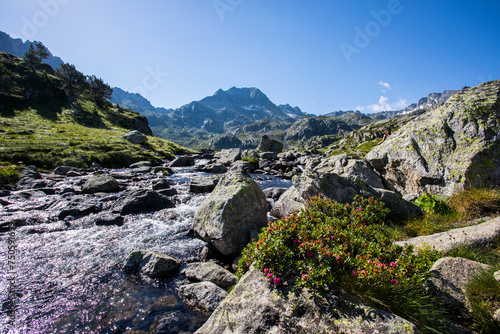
x=76 y=207
x=354 y=169
x=203 y=184
x=182 y=161
x=443 y=242
x=29 y=171
x=450 y=278
x=203 y=296
x=340 y=189
x=289 y=202
x=231 y=155
x=447 y=148
x=160 y=184
x=100 y=184
x=140 y=200
x=253 y=306
x=135 y=137
x=151 y=264
x=270 y=145
x=234 y=208
x=210 y=272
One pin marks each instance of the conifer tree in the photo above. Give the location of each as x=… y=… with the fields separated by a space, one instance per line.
x=31 y=58
x=41 y=51
x=73 y=81
x=36 y=54
x=99 y=90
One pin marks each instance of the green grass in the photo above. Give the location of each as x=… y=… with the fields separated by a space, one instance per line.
x=50 y=142
x=487 y=254
x=445 y=213
x=473 y=203
x=442 y=214
x=483 y=293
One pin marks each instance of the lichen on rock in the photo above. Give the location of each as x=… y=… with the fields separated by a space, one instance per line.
x=235 y=207
x=447 y=148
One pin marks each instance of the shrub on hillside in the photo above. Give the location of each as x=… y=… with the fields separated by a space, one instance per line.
x=9 y=174
x=432 y=204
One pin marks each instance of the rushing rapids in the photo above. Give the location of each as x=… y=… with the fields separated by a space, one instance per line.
x=67 y=275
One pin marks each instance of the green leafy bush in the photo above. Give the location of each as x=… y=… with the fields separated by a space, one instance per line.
x=329 y=243
x=431 y=203
x=9 y=174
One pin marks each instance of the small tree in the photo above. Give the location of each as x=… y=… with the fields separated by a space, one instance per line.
x=73 y=81
x=31 y=58
x=99 y=90
x=35 y=55
x=41 y=51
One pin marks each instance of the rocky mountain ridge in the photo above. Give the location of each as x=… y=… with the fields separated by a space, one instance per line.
x=18 y=48
x=423 y=103
x=232 y=117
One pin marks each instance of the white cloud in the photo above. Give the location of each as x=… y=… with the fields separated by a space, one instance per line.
x=384 y=84
x=384 y=105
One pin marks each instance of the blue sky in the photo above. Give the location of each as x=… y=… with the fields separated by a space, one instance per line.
x=322 y=55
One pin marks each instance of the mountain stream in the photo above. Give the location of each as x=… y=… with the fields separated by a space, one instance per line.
x=66 y=277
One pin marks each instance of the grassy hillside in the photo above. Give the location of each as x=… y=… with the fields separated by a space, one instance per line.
x=41 y=124
x=29 y=138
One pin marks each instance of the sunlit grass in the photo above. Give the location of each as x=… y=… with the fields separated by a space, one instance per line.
x=448 y=213
x=31 y=139
x=473 y=203
x=483 y=294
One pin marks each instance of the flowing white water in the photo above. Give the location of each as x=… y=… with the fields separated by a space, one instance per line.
x=68 y=279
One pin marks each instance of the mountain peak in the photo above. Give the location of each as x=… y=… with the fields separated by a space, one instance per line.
x=236 y=98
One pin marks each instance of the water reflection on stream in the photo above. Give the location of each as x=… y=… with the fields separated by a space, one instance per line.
x=69 y=278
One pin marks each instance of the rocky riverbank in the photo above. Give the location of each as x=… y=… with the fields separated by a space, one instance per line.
x=82 y=211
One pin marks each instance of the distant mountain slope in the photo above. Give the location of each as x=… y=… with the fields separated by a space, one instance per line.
x=225 y=112
x=233 y=108
x=309 y=127
x=423 y=103
x=17 y=47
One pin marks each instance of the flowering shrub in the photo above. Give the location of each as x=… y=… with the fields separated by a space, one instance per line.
x=342 y=244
